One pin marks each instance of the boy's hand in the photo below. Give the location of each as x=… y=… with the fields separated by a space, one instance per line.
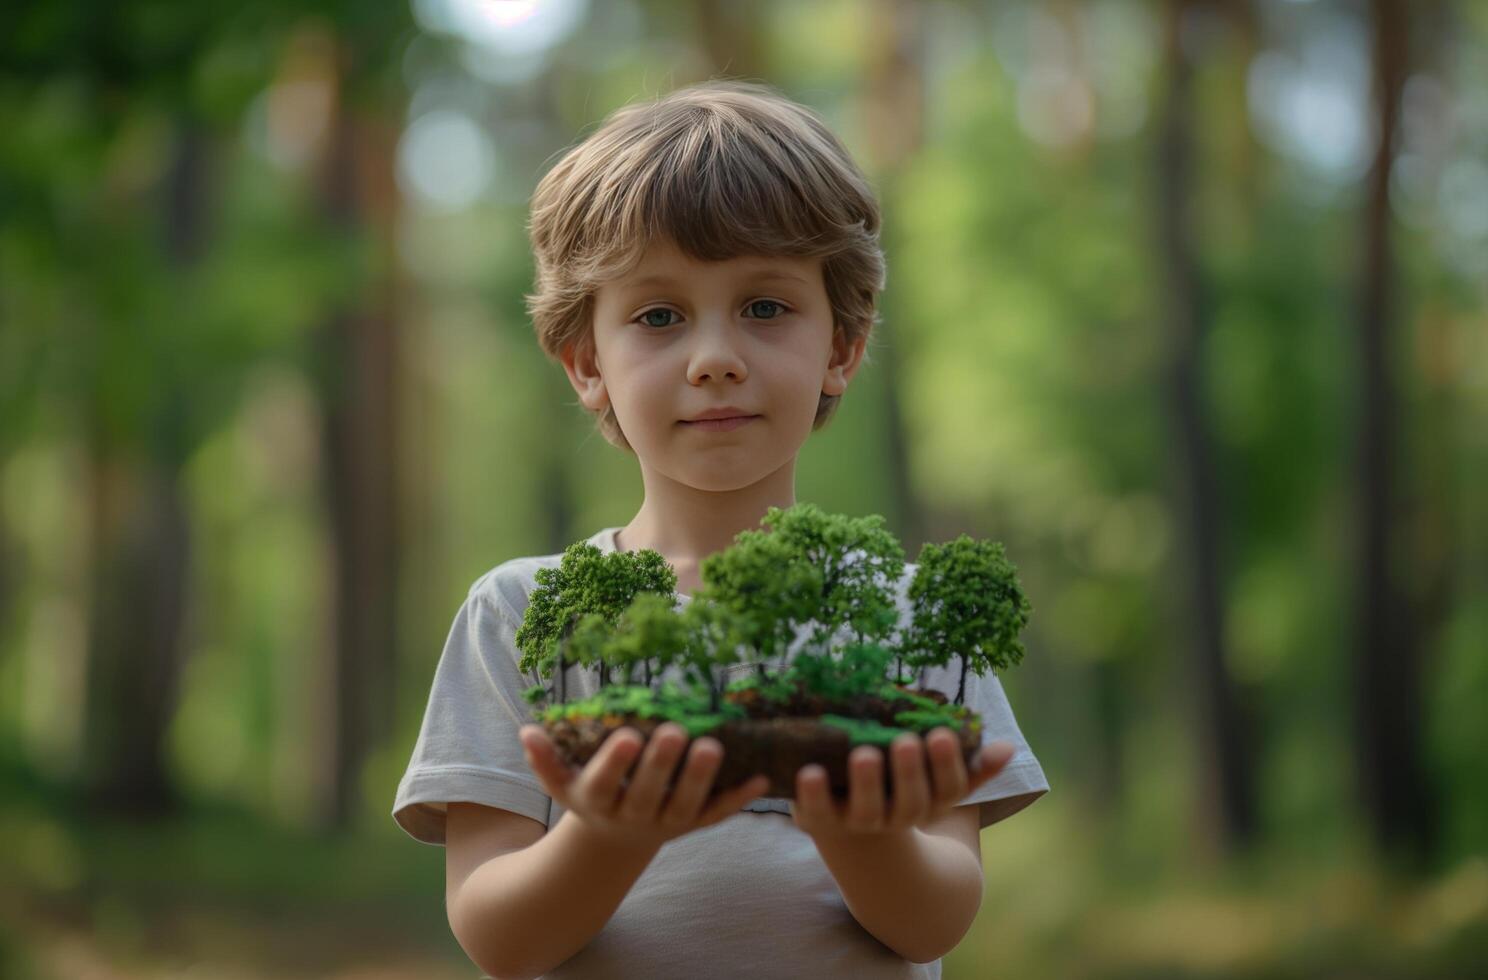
x=915 y=802
x=646 y=813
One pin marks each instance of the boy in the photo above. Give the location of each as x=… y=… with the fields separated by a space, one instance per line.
x=707 y=274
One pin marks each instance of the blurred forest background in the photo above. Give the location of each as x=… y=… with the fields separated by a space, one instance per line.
x=1186 y=305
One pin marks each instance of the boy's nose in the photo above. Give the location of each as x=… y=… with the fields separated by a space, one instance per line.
x=715 y=356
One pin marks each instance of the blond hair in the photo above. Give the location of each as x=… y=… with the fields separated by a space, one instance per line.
x=722 y=168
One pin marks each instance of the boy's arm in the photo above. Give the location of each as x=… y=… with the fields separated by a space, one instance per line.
x=522 y=913
x=917 y=891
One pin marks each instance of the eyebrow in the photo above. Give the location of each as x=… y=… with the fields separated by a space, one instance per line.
x=764 y=276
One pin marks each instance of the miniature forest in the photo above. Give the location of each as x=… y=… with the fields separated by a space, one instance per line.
x=723 y=665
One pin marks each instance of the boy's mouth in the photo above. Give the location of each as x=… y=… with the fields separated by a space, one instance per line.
x=721 y=425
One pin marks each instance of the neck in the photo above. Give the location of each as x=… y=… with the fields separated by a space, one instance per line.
x=686 y=525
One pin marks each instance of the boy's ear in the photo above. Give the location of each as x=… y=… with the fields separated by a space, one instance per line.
x=581 y=363
x=846 y=356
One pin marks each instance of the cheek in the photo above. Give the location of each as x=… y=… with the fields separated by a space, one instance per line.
x=799 y=375
x=641 y=386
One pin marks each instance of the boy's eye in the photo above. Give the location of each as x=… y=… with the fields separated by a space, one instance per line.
x=650 y=313
x=767 y=302
x=662 y=311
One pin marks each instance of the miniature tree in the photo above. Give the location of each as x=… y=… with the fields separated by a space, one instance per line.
x=766 y=590
x=650 y=631
x=586 y=644
x=859 y=561
x=586 y=582
x=714 y=638
x=650 y=634
x=967 y=603
x=811 y=567
x=859 y=671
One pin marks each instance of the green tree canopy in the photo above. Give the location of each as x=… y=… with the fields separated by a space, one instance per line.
x=810 y=567
x=967 y=603
x=586 y=582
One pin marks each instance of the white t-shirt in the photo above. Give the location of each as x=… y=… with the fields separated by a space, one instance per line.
x=748 y=896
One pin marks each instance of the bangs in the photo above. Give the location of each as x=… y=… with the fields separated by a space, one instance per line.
x=718 y=188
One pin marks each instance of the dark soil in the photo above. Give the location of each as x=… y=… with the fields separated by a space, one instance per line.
x=776 y=739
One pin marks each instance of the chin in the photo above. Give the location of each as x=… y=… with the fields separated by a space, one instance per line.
x=715 y=482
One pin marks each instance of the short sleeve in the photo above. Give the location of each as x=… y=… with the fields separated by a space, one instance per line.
x=1022 y=780
x=467 y=748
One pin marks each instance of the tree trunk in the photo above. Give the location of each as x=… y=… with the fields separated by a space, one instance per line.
x=1396 y=794
x=1224 y=729
x=358 y=393
x=139 y=544
x=140 y=547
x=893 y=109
x=1108 y=693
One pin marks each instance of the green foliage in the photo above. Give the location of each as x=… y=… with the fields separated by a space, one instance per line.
x=860 y=562
x=967 y=603
x=778 y=688
x=670 y=703
x=586 y=582
x=587 y=643
x=617 y=612
x=715 y=636
x=924 y=720
x=760 y=584
x=649 y=633
x=891 y=693
x=830 y=570
x=857 y=671
x=862 y=731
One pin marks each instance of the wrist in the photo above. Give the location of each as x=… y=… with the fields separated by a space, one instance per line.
x=850 y=843
x=595 y=837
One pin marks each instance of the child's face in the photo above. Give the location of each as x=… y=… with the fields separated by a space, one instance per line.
x=677 y=337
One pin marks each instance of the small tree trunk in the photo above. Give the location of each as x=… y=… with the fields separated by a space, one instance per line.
x=1223 y=721
x=1398 y=797
x=357 y=357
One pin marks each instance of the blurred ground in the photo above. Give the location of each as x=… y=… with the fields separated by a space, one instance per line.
x=225 y=899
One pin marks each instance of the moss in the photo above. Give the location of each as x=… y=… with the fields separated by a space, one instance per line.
x=687 y=708
x=896 y=695
x=863 y=732
x=778 y=688
x=701 y=724
x=924 y=721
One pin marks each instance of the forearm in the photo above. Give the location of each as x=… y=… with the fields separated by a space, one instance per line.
x=914 y=892
x=523 y=913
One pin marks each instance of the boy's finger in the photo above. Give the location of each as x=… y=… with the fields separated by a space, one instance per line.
x=653 y=773
x=599 y=783
x=535 y=741
x=732 y=801
x=911 y=789
x=543 y=759
x=865 y=791
x=813 y=804
x=950 y=770
x=989 y=762
x=694 y=780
